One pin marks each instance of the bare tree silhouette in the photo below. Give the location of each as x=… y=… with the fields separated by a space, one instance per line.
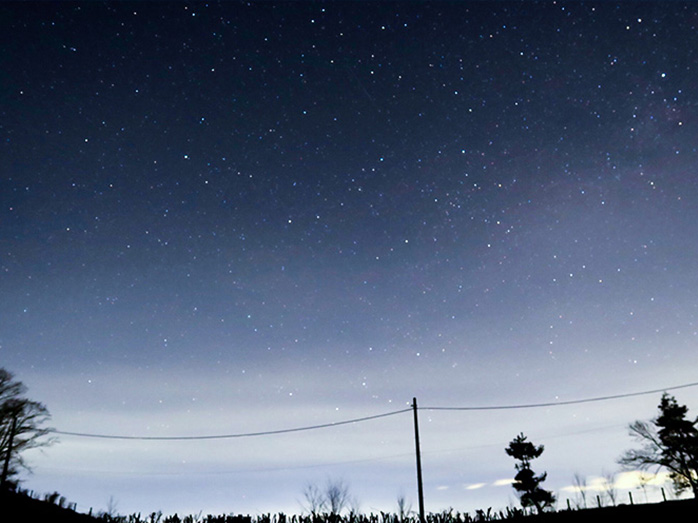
x=333 y=499
x=20 y=426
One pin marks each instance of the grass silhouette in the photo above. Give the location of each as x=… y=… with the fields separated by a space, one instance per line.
x=54 y=509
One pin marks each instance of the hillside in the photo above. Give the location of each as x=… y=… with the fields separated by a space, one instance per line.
x=25 y=508
x=20 y=507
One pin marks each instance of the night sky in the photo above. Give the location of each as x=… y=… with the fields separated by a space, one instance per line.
x=237 y=217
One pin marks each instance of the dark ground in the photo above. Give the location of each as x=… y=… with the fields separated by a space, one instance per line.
x=20 y=507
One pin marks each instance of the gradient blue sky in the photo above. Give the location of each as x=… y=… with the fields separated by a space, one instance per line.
x=236 y=217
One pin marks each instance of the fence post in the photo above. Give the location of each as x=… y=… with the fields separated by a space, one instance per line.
x=631 y=498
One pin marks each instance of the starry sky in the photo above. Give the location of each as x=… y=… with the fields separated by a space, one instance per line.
x=223 y=218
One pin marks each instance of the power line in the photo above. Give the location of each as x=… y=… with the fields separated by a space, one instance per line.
x=230 y=436
x=568 y=402
x=324 y=464
x=369 y=418
x=236 y=471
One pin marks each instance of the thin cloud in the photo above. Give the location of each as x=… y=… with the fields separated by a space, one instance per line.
x=624 y=481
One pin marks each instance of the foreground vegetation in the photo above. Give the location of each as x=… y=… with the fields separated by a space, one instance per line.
x=54 y=509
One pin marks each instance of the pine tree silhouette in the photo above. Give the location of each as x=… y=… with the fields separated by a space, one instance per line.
x=526 y=483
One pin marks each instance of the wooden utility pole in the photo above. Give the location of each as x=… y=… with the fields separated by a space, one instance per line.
x=420 y=488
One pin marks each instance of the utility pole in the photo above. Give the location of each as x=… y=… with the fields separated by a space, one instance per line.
x=420 y=488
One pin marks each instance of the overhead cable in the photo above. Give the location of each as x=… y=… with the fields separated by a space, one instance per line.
x=369 y=418
x=230 y=436
x=568 y=402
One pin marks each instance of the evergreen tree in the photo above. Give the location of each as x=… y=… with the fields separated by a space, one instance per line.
x=526 y=483
x=669 y=441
